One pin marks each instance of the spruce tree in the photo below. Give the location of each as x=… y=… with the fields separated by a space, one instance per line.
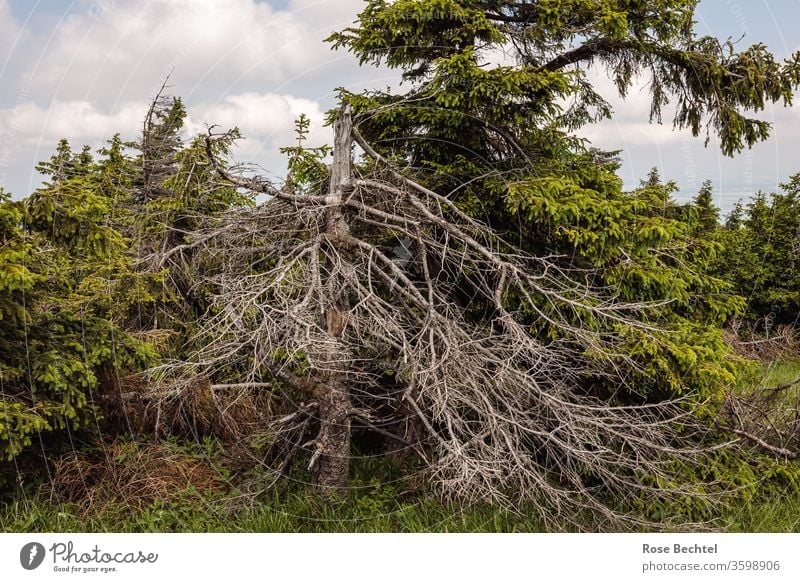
x=706 y=214
x=499 y=140
x=66 y=280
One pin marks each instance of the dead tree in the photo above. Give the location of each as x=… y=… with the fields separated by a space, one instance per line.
x=312 y=299
x=332 y=446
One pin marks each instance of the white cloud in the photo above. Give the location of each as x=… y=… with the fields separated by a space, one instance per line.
x=629 y=126
x=623 y=134
x=78 y=121
x=9 y=33
x=264 y=118
x=256 y=115
x=244 y=63
x=114 y=48
x=30 y=133
x=685 y=158
x=266 y=122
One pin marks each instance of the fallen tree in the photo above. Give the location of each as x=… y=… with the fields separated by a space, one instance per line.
x=375 y=302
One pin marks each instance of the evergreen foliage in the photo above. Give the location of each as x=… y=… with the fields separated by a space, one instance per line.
x=499 y=139
x=761 y=242
x=65 y=274
x=83 y=305
x=705 y=219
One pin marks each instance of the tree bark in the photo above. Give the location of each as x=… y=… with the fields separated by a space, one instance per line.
x=332 y=471
x=332 y=456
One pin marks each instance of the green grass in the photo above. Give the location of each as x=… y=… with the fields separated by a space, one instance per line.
x=380 y=500
x=780 y=372
x=364 y=514
x=770 y=374
x=780 y=515
x=292 y=513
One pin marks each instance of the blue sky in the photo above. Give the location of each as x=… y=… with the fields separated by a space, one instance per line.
x=84 y=69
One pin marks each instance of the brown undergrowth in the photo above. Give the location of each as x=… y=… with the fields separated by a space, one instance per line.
x=133 y=475
x=754 y=342
x=766 y=414
x=193 y=409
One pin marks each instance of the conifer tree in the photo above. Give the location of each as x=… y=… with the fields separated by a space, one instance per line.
x=706 y=219
x=66 y=281
x=499 y=140
x=762 y=254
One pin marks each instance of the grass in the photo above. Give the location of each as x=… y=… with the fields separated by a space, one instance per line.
x=781 y=515
x=769 y=375
x=296 y=513
x=182 y=493
x=368 y=513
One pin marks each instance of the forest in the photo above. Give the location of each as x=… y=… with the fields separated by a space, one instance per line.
x=454 y=317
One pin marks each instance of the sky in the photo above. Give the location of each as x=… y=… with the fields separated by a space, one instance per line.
x=86 y=69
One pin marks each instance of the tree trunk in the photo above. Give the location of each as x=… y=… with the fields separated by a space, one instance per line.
x=332 y=474
x=332 y=469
